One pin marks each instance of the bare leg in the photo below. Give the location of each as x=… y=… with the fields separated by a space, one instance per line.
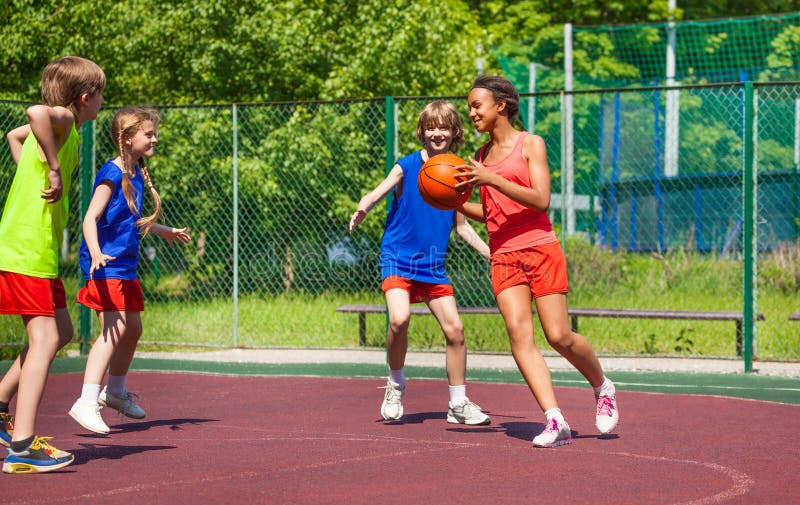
x=43 y=342
x=573 y=346
x=123 y=354
x=113 y=330
x=446 y=312
x=515 y=307
x=10 y=382
x=397 y=302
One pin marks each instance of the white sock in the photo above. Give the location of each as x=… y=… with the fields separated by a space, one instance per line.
x=90 y=393
x=116 y=384
x=606 y=388
x=398 y=377
x=554 y=413
x=457 y=393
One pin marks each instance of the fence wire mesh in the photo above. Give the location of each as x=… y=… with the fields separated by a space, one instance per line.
x=654 y=219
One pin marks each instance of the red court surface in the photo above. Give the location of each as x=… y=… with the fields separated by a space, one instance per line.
x=297 y=440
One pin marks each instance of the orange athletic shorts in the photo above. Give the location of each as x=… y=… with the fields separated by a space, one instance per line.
x=112 y=295
x=30 y=296
x=542 y=267
x=417 y=291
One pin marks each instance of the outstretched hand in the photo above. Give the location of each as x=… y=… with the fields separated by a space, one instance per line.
x=356 y=218
x=180 y=235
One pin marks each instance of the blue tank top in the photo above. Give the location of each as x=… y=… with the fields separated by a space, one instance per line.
x=117 y=232
x=415 y=240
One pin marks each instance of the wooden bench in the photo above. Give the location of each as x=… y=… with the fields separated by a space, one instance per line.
x=574 y=313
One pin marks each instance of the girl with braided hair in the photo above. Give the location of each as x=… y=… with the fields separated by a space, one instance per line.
x=109 y=257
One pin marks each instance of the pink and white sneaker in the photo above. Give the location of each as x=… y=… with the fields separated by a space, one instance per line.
x=607 y=415
x=555 y=433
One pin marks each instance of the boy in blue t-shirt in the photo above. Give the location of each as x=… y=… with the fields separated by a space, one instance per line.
x=413 y=252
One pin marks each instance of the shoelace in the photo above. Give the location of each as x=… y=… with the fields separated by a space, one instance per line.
x=42 y=443
x=392 y=394
x=469 y=405
x=604 y=405
x=552 y=426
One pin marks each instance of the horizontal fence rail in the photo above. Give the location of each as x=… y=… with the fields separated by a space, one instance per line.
x=267 y=191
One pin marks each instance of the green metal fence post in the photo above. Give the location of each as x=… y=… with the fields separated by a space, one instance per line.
x=235 y=156
x=749 y=182
x=87 y=170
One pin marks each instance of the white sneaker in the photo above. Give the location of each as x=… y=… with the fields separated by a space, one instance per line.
x=607 y=415
x=392 y=406
x=466 y=412
x=88 y=415
x=555 y=433
x=123 y=404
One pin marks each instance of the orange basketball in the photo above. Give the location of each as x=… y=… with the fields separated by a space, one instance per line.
x=437 y=182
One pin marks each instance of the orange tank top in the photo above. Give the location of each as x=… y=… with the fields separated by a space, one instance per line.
x=511 y=225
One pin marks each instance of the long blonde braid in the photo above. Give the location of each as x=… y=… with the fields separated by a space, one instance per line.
x=125 y=124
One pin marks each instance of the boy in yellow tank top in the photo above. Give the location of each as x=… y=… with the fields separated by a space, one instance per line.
x=31 y=226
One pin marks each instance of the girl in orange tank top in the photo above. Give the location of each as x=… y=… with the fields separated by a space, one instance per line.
x=527 y=264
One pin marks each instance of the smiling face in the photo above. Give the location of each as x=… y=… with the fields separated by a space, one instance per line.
x=437 y=139
x=483 y=109
x=143 y=142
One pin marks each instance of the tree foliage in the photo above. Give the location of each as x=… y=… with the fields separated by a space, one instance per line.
x=217 y=51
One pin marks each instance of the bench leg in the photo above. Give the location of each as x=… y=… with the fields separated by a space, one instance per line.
x=574 y=321
x=739 y=333
x=362 y=329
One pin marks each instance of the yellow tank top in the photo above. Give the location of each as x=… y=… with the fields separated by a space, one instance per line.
x=31 y=229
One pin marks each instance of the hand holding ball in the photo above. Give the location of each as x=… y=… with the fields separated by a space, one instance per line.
x=437 y=180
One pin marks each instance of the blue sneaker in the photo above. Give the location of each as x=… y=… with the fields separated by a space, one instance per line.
x=6 y=428
x=38 y=457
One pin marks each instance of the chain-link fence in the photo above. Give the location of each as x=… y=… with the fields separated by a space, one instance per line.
x=267 y=191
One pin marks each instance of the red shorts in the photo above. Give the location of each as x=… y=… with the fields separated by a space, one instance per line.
x=542 y=267
x=112 y=295
x=417 y=291
x=30 y=296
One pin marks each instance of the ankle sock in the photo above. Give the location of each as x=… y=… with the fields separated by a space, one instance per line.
x=606 y=388
x=21 y=445
x=457 y=393
x=90 y=393
x=554 y=413
x=116 y=384
x=398 y=377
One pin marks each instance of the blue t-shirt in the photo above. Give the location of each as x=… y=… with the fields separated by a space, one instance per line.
x=117 y=232
x=415 y=240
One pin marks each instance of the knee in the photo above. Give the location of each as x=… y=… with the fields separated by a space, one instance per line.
x=560 y=338
x=454 y=334
x=398 y=325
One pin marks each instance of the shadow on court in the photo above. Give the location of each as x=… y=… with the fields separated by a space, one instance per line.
x=298 y=440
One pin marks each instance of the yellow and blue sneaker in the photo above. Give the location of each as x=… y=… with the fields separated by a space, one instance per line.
x=6 y=428
x=38 y=457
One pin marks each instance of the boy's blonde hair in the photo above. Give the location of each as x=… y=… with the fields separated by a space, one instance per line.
x=127 y=121
x=66 y=79
x=441 y=114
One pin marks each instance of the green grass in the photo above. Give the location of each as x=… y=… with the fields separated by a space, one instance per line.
x=598 y=278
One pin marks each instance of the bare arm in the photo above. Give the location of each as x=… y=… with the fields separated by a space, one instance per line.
x=473 y=211
x=98 y=204
x=537 y=196
x=16 y=138
x=470 y=236
x=50 y=126
x=369 y=200
x=171 y=234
